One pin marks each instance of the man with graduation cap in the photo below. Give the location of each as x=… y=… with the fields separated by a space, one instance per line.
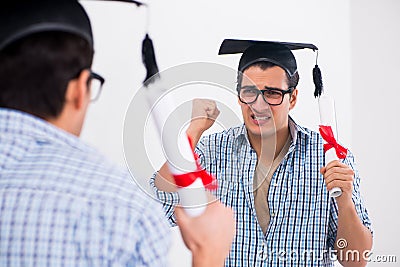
x=271 y=170
x=61 y=202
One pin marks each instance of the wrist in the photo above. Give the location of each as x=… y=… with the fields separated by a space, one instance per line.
x=194 y=134
x=202 y=259
x=345 y=203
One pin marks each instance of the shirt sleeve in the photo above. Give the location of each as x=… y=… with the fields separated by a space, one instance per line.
x=168 y=200
x=205 y=150
x=154 y=243
x=357 y=200
x=112 y=235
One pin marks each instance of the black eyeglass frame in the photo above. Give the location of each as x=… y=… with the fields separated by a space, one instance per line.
x=268 y=89
x=94 y=75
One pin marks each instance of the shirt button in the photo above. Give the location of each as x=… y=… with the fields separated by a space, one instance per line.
x=262 y=254
x=275 y=184
x=273 y=214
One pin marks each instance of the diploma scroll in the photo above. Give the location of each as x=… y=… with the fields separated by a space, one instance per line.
x=190 y=179
x=328 y=130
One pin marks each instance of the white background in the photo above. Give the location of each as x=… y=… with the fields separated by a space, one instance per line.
x=359 y=51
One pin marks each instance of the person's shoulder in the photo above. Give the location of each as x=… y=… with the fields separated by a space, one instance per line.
x=111 y=187
x=108 y=179
x=304 y=133
x=81 y=167
x=314 y=137
x=309 y=133
x=114 y=200
x=225 y=136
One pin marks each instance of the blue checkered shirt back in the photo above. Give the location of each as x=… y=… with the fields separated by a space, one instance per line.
x=64 y=204
x=303 y=218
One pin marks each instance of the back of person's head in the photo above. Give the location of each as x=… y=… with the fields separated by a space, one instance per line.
x=43 y=45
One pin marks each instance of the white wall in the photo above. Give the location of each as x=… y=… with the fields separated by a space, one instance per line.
x=375 y=58
x=190 y=31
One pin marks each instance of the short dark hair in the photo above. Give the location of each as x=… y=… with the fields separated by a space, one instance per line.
x=291 y=81
x=35 y=71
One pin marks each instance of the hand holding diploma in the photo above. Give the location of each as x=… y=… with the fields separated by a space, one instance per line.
x=338 y=176
x=209 y=245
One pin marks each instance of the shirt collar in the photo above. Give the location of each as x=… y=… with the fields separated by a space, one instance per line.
x=241 y=131
x=295 y=129
x=19 y=123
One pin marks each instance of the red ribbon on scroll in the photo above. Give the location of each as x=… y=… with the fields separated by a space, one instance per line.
x=186 y=179
x=327 y=134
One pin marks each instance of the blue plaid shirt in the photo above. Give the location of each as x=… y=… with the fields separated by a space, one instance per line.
x=303 y=218
x=63 y=204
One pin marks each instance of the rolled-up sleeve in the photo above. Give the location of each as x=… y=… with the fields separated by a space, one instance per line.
x=168 y=199
x=357 y=200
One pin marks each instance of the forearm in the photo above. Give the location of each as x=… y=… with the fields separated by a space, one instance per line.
x=357 y=237
x=164 y=179
x=194 y=135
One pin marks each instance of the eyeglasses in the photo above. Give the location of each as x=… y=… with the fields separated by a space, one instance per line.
x=96 y=84
x=272 y=96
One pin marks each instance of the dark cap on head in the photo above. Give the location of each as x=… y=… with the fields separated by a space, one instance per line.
x=278 y=53
x=19 y=19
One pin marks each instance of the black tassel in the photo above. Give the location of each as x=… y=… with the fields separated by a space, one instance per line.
x=149 y=60
x=317 y=77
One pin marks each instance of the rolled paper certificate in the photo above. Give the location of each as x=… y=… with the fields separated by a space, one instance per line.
x=182 y=162
x=328 y=131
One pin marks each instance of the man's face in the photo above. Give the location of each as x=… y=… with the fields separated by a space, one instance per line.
x=261 y=119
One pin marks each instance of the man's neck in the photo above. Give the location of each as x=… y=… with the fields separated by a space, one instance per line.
x=268 y=147
x=67 y=123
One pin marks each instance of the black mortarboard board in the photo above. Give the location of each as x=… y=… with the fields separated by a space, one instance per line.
x=21 y=18
x=278 y=53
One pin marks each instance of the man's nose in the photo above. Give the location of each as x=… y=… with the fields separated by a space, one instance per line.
x=260 y=105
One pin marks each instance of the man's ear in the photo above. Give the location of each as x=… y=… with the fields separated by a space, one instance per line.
x=293 y=99
x=77 y=91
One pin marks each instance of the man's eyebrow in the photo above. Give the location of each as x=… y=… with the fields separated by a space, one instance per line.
x=255 y=87
x=249 y=87
x=272 y=88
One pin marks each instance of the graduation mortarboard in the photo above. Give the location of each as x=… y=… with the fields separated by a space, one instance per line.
x=278 y=53
x=19 y=19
